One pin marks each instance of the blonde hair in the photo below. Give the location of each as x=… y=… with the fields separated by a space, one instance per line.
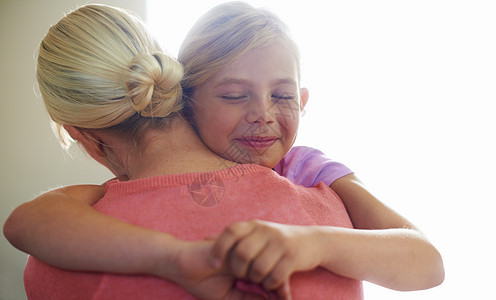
x=222 y=35
x=98 y=67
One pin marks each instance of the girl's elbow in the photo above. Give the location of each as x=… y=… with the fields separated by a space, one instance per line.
x=12 y=228
x=9 y=230
x=437 y=270
x=433 y=274
x=428 y=272
x=433 y=270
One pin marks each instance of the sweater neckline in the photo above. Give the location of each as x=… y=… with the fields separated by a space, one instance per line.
x=147 y=183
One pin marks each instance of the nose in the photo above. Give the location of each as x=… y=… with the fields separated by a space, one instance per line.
x=260 y=110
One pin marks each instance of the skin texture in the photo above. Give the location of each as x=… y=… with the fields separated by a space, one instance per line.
x=249 y=111
x=268 y=253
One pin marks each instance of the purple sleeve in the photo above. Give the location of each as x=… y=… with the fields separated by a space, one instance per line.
x=307 y=167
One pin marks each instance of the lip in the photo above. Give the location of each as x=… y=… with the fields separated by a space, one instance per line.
x=257 y=142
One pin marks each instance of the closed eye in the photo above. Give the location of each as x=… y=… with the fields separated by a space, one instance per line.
x=233 y=97
x=283 y=97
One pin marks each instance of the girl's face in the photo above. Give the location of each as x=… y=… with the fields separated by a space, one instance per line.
x=249 y=112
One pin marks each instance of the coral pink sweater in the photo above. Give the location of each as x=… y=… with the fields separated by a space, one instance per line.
x=194 y=206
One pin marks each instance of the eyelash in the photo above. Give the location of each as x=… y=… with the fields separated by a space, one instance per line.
x=233 y=97
x=273 y=96
x=283 y=97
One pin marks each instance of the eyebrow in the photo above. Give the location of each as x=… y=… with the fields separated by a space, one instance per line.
x=229 y=81
x=240 y=81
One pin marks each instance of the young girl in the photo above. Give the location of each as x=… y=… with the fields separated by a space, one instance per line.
x=246 y=108
x=244 y=92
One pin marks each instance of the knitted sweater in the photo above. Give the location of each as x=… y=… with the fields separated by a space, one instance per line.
x=194 y=206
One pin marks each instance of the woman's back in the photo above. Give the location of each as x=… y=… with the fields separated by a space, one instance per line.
x=196 y=206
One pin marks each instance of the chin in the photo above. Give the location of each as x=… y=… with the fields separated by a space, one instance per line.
x=266 y=163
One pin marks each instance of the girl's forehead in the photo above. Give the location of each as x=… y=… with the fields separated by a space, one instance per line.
x=274 y=57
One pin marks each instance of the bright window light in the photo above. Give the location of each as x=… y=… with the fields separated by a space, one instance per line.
x=402 y=92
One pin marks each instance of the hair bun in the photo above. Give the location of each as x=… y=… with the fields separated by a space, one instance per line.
x=153 y=83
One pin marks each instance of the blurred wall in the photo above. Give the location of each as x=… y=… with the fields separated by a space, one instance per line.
x=31 y=160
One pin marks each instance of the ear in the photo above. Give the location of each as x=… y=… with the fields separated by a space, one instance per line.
x=90 y=141
x=74 y=132
x=304 y=94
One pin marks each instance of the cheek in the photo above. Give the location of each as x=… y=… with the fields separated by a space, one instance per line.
x=224 y=119
x=202 y=123
x=291 y=131
x=208 y=127
x=205 y=116
x=214 y=126
x=288 y=117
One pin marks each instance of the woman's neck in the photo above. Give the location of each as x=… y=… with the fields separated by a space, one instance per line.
x=174 y=150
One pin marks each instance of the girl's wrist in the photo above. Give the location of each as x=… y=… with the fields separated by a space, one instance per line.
x=165 y=257
x=325 y=238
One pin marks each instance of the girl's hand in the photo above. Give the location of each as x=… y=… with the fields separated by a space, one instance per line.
x=195 y=274
x=266 y=253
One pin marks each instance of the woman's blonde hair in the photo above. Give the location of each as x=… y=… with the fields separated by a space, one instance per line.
x=98 y=67
x=222 y=35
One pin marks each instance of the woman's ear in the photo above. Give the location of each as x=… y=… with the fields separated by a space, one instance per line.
x=74 y=132
x=304 y=94
x=90 y=141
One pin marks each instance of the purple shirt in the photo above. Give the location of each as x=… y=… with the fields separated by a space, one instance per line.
x=307 y=167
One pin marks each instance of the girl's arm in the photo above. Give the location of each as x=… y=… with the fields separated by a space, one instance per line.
x=268 y=253
x=365 y=210
x=386 y=249
x=62 y=229
x=417 y=262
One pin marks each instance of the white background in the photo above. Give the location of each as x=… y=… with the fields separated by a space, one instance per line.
x=402 y=92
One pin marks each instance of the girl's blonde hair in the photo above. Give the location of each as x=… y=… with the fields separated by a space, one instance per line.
x=222 y=35
x=98 y=67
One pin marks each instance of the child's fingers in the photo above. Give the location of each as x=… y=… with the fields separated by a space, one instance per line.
x=246 y=253
x=281 y=273
x=265 y=263
x=227 y=240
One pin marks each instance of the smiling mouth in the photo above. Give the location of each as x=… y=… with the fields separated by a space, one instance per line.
x=257 y=142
